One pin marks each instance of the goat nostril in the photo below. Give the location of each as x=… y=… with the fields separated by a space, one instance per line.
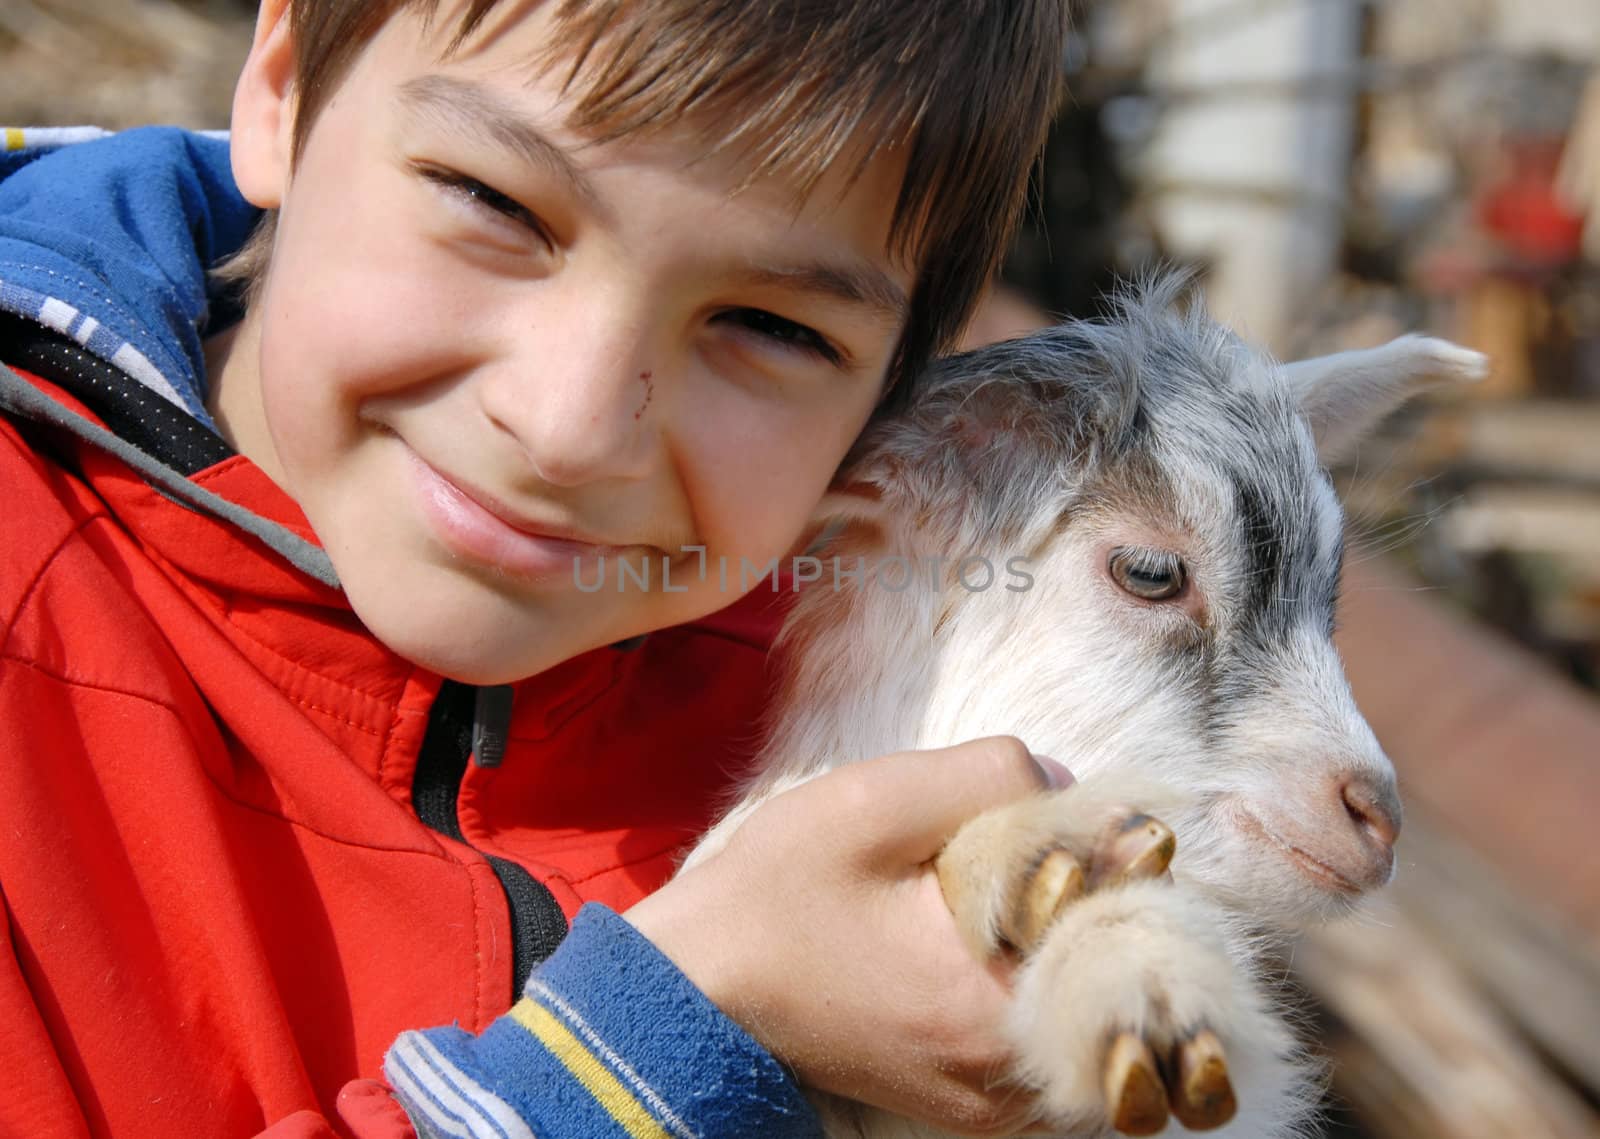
x=1375 y=809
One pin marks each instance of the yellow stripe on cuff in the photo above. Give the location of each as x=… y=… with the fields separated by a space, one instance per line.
x=14 y=139
x=607 y=1090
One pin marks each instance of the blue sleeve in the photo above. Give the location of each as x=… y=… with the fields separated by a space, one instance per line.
x=609 y=1041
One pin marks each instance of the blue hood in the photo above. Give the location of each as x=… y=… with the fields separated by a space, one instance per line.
x=108 y=241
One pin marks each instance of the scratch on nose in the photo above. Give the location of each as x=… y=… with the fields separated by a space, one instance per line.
x=647 y=378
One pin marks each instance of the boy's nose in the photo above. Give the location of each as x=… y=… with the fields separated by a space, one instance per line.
x=580 y=420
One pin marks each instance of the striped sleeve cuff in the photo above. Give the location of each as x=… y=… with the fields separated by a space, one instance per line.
x=609 y=1041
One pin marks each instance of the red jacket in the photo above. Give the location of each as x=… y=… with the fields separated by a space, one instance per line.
x=220 y=902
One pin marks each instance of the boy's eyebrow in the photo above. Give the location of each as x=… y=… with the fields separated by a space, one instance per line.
x=477 y=110
x=861 y=283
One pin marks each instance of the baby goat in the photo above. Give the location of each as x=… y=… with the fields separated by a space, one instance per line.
x=1168 y=636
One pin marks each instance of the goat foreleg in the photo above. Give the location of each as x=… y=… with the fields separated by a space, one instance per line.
x=1136 y=997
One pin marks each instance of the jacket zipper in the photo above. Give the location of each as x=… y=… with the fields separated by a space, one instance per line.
x=464 y=716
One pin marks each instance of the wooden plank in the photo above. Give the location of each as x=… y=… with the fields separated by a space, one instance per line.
x=1561 y=521
x=1531 y=439
x=1493 y=742
x=1419 y=1052
x=1522 y=955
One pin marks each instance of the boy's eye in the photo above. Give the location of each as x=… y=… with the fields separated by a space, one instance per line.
x=484 y=196
x=792 y=336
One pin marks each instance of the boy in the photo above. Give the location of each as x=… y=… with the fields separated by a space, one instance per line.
x=551 y=290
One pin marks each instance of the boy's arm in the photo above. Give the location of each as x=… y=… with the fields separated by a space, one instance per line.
x=817 y=933
x=610 y=1039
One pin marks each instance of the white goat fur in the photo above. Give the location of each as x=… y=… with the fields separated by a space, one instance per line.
x=1229 y=718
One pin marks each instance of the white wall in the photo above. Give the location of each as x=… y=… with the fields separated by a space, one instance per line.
x=1254 y=182
x=1570 y=27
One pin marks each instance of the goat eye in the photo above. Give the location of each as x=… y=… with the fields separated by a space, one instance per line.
x=1153 y=575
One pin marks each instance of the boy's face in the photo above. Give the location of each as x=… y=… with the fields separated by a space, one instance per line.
x=485 y=351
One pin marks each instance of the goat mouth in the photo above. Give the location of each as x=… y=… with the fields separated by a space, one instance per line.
x=1306 y=862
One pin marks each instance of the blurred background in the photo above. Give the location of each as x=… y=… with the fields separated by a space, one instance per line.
x=1338 y=172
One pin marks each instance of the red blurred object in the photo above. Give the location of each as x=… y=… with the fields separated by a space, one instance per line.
x=1525 y=213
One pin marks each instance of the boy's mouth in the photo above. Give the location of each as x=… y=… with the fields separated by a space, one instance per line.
x=476 y=527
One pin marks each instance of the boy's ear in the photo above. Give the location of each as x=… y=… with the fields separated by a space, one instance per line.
x=1345 y=396
x=262 y=136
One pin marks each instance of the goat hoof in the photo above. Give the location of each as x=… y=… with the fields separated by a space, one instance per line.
x=1136 y=1100
x=1202 y=1095
x=1138 y=847
x=1057 y=880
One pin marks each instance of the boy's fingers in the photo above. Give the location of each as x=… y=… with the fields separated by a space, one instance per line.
x=914 y=801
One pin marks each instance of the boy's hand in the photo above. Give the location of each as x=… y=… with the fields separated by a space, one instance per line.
x=821 y=929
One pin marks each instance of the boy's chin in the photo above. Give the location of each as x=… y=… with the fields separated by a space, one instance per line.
x=480 y=638
x=480 y=629
x=470 y=665
x=460 y=654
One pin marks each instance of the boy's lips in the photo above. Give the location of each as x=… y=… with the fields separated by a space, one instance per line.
x=477 y=527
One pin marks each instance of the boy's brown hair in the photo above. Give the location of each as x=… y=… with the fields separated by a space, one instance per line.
x=965 y=87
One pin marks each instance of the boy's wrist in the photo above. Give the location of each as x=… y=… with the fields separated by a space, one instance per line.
x=720 y=947
x=696 y=941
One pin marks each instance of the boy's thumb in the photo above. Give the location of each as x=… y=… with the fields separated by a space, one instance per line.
x=918 y=799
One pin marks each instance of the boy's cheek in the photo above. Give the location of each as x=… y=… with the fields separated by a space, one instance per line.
x=373 y=323
x=758 y=510
x=329 y=353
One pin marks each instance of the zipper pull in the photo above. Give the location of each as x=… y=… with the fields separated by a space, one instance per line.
x=491 y=724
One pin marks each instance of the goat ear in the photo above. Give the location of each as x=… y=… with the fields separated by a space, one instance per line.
x=1345 y=396
x=850 y=503
x=859 y=491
